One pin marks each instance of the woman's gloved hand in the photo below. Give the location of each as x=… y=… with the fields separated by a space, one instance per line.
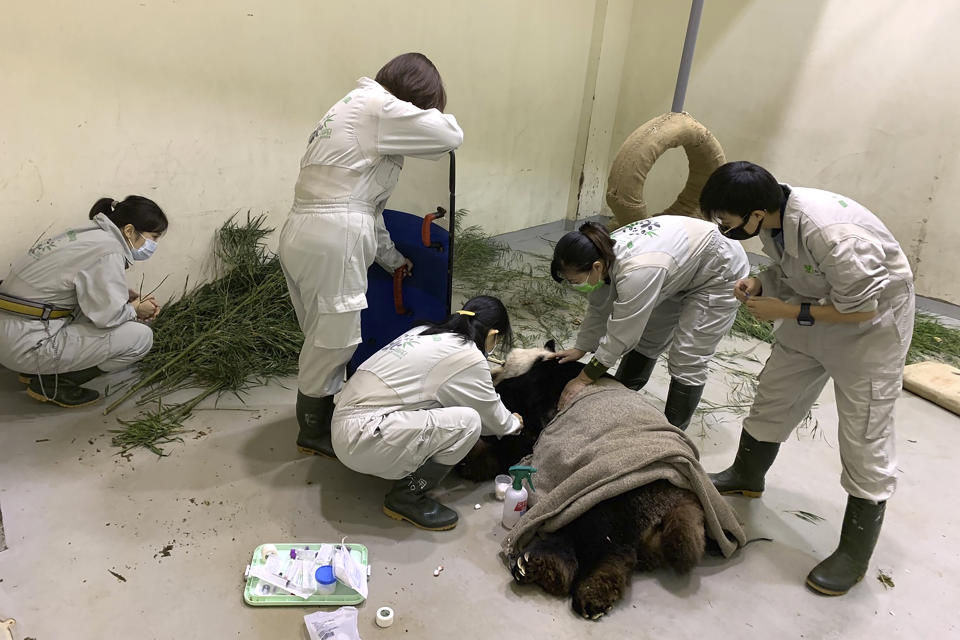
x=569 y=355
x=147 y=309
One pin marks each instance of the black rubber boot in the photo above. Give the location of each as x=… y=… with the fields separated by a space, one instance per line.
x=745 y=476
x=77 y=377
x=848 y=564
x=682 y=401
x=406 y=500
x=61 y=391
x=635 y=369
x=313 y=416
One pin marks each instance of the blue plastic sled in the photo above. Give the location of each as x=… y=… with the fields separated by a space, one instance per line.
x=397 y=304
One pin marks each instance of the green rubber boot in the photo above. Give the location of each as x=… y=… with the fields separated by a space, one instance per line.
x=848 y=564
x=313 y=416
x=745 y=476
x=61 y=391
x=406 y=500
x=635 y=369
x=682 y=401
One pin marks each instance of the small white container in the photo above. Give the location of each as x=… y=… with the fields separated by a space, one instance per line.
x=326 y=581
x=501 y=484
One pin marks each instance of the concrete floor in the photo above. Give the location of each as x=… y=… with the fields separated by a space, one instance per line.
x=73 y=511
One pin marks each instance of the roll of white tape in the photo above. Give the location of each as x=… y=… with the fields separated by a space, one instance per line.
x=384 y=617
x=268 y=550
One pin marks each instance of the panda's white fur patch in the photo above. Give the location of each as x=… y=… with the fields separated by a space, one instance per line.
x=518 y=362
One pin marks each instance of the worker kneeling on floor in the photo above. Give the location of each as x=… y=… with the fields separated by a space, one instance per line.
x=415 y=408
x=66 y=313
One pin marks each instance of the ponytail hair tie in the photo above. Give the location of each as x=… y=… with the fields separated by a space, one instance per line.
x=113 y=205
x=464 y=312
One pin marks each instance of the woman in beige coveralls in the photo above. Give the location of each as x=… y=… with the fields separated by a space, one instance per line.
x=841 y=292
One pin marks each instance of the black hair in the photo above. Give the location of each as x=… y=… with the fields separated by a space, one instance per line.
x=739 y=188
x=489 y=313
x=142 y=213
x=412 y=77
x=578 y=250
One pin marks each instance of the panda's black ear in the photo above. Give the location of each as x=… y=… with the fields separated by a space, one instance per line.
x=551 y=346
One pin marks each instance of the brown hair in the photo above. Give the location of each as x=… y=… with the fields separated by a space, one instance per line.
x=578 y=250
x=412 y=77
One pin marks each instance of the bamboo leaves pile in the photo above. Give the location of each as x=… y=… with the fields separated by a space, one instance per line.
x=540 y=309
x=227 y=335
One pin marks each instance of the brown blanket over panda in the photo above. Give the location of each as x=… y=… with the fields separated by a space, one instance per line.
x=607 y=442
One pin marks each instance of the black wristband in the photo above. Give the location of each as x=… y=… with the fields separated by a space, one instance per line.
x=805 y=318
x=595 y=368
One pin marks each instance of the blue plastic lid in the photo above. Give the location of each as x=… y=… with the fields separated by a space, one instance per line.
x=325 y=575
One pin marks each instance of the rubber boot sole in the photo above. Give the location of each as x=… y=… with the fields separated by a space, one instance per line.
x=399 y=516
x=39 y=396
x=829 y=592
x=316 y=452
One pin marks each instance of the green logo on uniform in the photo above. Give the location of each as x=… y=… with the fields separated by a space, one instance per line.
x=322 y=131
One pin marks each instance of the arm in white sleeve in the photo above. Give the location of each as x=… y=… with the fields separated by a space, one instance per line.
x=854 y=270
x=387 y=255
x=473 y=387
x=102 y=292
x=594 y=325
x=637 y=298
x=407 y=130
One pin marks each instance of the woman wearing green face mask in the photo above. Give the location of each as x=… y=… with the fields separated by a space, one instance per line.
x=656 y=283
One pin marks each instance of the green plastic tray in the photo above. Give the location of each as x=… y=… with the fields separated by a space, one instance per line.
x=344 y=595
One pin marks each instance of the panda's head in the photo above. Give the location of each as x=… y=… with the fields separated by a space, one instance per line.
x=520 y=361
x=530 y=383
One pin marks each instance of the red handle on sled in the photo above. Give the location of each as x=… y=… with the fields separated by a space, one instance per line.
x=398 y=277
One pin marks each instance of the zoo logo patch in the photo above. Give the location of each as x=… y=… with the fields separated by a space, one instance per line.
x=42 y=248
x=639 y=229
x=322 y=131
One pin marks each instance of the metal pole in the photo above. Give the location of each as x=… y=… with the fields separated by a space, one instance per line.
x=453 y=224
x=686 y=59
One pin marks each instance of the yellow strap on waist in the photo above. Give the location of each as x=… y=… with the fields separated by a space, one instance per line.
x=32 y=309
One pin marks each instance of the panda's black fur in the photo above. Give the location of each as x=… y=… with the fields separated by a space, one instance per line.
x=592 y=558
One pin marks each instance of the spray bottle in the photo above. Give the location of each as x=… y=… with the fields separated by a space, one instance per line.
x=515 y=499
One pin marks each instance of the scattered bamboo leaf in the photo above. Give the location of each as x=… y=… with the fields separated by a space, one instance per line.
x=806 y=515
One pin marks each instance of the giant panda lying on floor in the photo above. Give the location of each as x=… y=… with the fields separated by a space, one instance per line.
x=593 y=557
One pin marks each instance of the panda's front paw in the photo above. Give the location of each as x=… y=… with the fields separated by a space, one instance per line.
x=552 y=569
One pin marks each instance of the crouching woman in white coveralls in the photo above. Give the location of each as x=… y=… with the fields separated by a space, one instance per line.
x=335 y=230
x=66 y=313
x=415 y=408
x=656 y=283
x=841 y=291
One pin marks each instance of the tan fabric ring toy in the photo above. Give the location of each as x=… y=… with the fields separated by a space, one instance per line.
x=643 y=148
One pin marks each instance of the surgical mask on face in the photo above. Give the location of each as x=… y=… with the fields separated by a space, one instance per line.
x=739 y=233
x=144 y=251
x=586 y=287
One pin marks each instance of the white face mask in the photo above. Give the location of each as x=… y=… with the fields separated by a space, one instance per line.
x=146 y=249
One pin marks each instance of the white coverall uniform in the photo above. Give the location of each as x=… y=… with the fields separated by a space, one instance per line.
x=82 y=269
x=418 y=398
x=672 y=279
x=836 y=252
x=335 y=230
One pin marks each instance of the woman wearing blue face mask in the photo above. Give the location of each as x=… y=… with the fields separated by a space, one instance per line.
x=66 y=312
x=664 y=281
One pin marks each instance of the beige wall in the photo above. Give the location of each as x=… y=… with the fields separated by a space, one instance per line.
x=854 y=96
x=206 y=108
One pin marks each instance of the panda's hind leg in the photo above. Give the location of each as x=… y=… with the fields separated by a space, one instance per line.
x=606 y=540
